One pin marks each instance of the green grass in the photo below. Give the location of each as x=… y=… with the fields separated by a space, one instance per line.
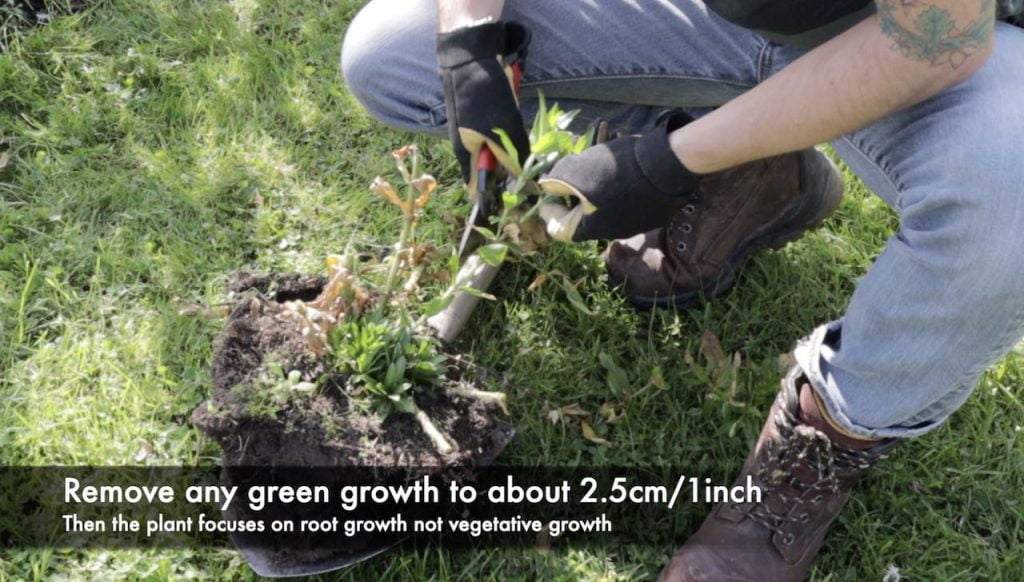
x=157 y=146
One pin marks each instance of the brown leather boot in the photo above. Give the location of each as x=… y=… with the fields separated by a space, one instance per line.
x=763 y=204
x=805 y=469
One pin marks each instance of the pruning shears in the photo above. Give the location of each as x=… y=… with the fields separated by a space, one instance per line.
x=486 y=205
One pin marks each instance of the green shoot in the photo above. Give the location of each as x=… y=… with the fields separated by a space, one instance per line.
x=386 y=363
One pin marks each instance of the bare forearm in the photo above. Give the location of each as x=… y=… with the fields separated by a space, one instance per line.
x=879 y=66
x=452 y=14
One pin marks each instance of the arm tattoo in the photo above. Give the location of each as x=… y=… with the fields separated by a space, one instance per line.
x=922 y=31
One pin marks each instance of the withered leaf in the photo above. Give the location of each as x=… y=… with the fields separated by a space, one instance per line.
x=612 y=412
x=711 y=348
x=386 y=191
x=400 y=154
x=425 y=185
x=573 y=409
x=590 y=435
x=537 y=282
x=566 y=412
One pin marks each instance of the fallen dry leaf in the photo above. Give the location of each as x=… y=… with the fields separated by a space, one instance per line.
x=512 y=232
x=612 y=412
x=567 y=411
x=422 y=253
x=537 y=282
x=145 y=450
x=530 y=235
x=5 y=158
x=442 y=275
x=711 y=348
x=573 y=409
x=196 y=309
x=590 y=435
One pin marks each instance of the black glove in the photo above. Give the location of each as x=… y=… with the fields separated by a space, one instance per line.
x=624 y=187
x=476 y=67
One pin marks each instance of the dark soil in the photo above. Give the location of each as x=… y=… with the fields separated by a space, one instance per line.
x=325 y=428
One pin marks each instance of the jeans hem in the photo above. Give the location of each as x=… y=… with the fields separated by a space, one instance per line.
x=809 y=358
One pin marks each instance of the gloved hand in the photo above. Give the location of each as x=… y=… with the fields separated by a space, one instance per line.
x=624 y=187
x=476 y=67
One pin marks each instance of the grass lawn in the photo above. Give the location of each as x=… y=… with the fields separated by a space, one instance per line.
x=153 y=147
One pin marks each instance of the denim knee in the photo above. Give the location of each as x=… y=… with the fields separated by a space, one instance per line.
x=944 y=300
x=973 y=227
x=389 y=65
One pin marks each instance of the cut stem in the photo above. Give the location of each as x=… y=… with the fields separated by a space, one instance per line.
x=498 y=398
x=409 y=215
x=474 y=273
x=435 y=434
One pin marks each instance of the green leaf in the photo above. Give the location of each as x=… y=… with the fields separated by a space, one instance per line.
x=583 y=142
x=373 y=386
x=508 y=146
x=453 y=264
x=658 y=378
x=618 y=380
x=545 y=144
x=478 y=293
x=488 y=233
x=510 y=200
x=574 y=297
x=438 y=304
x=564 y=140
x=395 y=373
x=493 y=254
x=540 y=121
x=405 y=404
x=565 y=119
x=275 y=369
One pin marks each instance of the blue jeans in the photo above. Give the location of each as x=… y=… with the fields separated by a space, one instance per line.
x=942 y=302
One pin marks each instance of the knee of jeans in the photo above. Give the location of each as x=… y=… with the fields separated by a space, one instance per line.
x=974 y=230
x=386 y=70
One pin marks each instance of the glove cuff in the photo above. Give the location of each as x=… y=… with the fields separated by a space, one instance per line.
x=488 y=40
x=659 y=163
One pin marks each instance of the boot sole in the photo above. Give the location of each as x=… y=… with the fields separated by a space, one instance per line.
x=790 y=226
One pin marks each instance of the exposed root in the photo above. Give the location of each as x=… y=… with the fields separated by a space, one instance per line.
x=498 y=398
x=435 y=434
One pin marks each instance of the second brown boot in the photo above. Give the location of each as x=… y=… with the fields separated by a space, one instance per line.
x=805 y=469
x=763 y=204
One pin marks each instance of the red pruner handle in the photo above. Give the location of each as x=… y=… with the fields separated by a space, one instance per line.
x=486 y=160
x=517 y=77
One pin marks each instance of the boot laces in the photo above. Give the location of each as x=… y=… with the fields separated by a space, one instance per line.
x=802 y=461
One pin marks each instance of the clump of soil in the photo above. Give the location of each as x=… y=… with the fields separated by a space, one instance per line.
x=325 y=428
